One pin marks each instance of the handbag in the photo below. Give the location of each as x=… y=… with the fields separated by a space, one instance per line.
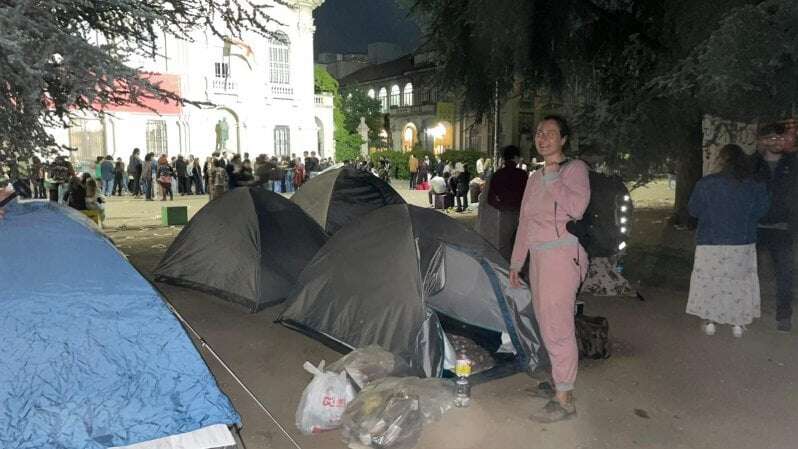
x=165 y=179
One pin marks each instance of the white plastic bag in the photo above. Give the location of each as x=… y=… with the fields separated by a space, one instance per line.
x=323 y=401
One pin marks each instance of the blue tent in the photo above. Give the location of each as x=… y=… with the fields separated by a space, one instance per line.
x=91 y=356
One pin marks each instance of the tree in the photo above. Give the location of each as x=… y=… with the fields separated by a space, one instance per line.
x=60 y=57
x=638 y=75
x=347 y=142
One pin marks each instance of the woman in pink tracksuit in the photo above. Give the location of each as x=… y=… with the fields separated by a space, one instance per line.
x=554 y=195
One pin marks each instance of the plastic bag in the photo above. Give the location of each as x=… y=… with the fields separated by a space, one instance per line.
x=385 y=419
x=382 y=417
x=368 y=364
x=324 y=400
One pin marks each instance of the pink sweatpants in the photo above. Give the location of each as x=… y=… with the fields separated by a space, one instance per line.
x=555 y=275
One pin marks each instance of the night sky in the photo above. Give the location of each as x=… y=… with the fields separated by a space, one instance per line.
x=348 y=26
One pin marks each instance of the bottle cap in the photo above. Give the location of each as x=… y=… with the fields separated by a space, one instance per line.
x=462 y=368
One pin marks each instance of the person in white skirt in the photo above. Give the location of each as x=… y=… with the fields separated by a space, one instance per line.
x=724 y=287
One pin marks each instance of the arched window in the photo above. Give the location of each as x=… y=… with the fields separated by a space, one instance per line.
x=408 y=94
x=279 y=61
x=372 y=94
x=396 y=95
x=383 y=99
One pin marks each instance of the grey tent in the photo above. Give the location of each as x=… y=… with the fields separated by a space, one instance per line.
x=248 y=246
x=337 y=197
x=392 y=278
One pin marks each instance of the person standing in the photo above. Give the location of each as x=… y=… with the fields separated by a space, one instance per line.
x=724 y=287
x=147 y=168
x=182 y=175
x=777 y=170
x=165 y=176
x=505 y=193
x=463 y=178
x=412 y=166
x=107 y=175
x=119 y=176
x=480 y=166
x=196 y=176
x=37 y=178
x=555 y=195
x=134 y=171
x=218 y=180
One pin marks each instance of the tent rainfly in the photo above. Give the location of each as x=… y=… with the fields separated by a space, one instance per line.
x=337 y=197
x=396 y=276
x=247 y=246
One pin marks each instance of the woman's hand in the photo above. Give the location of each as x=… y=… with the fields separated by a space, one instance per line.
x=514 y=279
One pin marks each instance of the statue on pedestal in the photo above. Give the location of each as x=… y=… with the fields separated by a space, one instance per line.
x=222 y=134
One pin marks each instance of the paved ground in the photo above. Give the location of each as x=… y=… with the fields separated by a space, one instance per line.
x=666 y=385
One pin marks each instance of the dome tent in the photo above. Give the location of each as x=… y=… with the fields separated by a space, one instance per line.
x=248 y=246
x=337 y=197
x=395 y=275
x=92 y=355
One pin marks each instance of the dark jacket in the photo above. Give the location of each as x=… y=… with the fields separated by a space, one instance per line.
x=75 y=197
x=107 y=169
x=781 y=186
x=134 y=166
x=180 y=167
x=728 y=210
x=507 y=187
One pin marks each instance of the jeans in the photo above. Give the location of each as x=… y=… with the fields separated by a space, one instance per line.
x=289 y=181
x=778 y=244
x=413 y=180
x=147 y=187
x=277 y=186
x=108 y=184
x=118 y=184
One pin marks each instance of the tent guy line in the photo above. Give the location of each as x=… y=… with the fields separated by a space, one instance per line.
x=204 y=345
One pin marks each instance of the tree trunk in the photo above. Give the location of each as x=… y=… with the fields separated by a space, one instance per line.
x=689 y=169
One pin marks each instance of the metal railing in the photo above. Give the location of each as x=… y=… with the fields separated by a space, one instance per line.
x=282 y=91
x=224 y=85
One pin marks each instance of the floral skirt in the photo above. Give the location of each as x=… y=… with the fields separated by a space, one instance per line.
x=724 y=287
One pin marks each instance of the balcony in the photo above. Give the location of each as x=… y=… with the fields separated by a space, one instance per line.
x=282 y=91
x=418 y=109
x=224 y=86
x=323 y=100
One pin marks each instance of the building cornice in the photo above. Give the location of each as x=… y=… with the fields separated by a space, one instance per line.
x=312 y=4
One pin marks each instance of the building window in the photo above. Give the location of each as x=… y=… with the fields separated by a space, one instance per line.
x=396 y=96
x=221 y=69
x=408 y=94
x=282 y=141
x=88 y=136
x=383 y=100
x=279 y=62
x=372 y=94
x=156 y=137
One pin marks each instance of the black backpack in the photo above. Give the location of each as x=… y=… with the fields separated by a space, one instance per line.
x=592 y=337
x=598 y=231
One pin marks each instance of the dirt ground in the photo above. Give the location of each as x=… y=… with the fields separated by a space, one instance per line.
x=666 y=385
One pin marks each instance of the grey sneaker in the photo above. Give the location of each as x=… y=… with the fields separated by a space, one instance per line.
x=784 y=325
x=553 y=412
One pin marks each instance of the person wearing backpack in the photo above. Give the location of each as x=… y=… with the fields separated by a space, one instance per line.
x=554 y=195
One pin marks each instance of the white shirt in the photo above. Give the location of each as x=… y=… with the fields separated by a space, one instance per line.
x=438 y=185
x=480 y=165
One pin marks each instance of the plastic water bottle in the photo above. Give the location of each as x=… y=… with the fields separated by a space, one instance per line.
x=462 y=385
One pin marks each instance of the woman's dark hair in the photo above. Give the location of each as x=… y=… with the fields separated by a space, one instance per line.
x=735 y=162
x=562 y=123
x=511 y=152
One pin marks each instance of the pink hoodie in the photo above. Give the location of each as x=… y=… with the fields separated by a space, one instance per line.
x=550 y=202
